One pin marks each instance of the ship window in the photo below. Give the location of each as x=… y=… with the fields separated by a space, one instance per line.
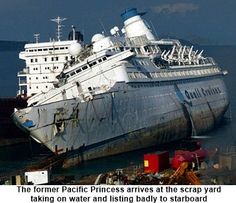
x=62 y=47
x=31 y=60
x=57 y=58
x=36 y=78
x=46 y=86
x=52 y=58
x=92 y=64
x=66 y=58
x=84 y=67
x=50 y=49
x=45 y=59
x=45 y=49
x=37 y=87
x=36 y=60
x=79 y=70
x=56 y=48
x=67 y=76
x=104 y=58
x=39 y=49
x=73 y=73
x=99 y=60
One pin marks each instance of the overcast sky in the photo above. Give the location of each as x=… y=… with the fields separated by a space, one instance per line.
x=206 y=21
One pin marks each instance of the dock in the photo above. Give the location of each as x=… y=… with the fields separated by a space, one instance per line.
x=219 y=167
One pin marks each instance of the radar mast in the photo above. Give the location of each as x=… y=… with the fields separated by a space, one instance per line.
x=59 y=21
x=36 y=37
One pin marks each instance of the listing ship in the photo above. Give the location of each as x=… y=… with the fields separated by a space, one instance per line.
x=43 y=62
x=124 y=92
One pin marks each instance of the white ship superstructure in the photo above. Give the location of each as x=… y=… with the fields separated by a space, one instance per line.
x=127 y=91
x=44 y=61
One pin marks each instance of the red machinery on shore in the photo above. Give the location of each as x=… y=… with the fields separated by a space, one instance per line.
x=190 y=157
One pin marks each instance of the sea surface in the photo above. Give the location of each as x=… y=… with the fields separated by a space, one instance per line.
x=16 y=157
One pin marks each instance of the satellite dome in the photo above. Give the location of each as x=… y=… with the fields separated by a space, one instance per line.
x=75 y=49
x=97 y=37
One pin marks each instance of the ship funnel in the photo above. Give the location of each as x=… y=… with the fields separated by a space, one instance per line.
x=134 y=25
x=75 y=35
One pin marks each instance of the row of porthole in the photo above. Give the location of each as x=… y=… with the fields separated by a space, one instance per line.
x=85 y=67
x=45 y=77
x=55 y=58
x=38 y=87
x=47 y=68
x=46 y=49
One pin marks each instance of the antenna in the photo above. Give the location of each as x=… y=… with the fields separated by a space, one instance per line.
x=58 y=20
x=73 y=30
x=103 y=27
x=36 y=37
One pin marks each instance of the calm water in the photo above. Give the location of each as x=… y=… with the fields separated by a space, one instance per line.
x=12 y=158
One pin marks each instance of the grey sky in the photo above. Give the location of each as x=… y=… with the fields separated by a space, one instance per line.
x=209 y=21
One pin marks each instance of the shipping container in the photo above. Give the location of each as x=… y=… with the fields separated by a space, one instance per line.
x=156 y=162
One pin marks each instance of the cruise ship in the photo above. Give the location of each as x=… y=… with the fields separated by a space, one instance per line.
x=43 y=62
x=124 y=92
